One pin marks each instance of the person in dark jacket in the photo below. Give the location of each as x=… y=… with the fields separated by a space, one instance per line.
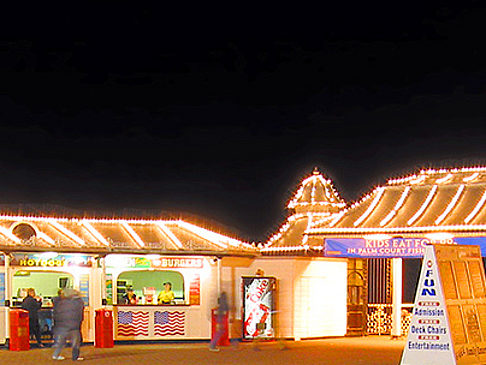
x=33 y=303
x=69 y=316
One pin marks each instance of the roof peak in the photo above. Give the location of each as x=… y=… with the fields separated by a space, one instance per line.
x=316 y=194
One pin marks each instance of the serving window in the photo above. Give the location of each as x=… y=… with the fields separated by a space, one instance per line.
x=146 y=285
x=45 y=283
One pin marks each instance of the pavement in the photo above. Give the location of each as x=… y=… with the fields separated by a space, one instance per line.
x=371 y=350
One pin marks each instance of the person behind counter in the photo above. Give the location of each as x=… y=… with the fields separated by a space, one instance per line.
x=167 y=295
x=33 y=303
x=130 y=297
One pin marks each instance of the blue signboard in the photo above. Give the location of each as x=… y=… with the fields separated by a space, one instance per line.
x=2 y=289
x=392 y=247
x=84 y=288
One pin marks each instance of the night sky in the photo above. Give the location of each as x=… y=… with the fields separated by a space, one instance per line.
x=219 y=113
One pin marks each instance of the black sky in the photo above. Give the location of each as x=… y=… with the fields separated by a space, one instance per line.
x=220 y=114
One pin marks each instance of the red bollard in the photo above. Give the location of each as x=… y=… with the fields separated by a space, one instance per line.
x=19 y=330
x=224 y=340
x=104 y=328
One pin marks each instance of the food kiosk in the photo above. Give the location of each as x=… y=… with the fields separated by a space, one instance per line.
x=106 y=258
x=193 y=280
x=47 y=273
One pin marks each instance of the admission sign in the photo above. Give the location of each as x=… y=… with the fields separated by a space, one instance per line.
x=448 y=323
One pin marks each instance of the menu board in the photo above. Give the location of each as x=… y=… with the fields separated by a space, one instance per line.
x=448 y=324
x=195 y=290
x=109 y=289
x=84 y=288
x=258 y=307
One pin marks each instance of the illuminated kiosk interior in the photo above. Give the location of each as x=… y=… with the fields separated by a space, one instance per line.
x=46 y=284
x=193 y=281
x=139 y=280
x=47 y=273
x=146 y=276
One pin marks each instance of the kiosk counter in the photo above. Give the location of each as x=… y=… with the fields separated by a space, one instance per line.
x=133 y=285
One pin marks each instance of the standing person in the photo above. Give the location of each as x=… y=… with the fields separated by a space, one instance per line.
x=33 y=303
x=130 y=297
x=221 y=312
x=69 y=317
x=167 y=295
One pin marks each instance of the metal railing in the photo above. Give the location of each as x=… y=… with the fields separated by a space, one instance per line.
x=379 y=319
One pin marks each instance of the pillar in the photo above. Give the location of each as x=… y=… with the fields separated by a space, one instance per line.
x=396 y=330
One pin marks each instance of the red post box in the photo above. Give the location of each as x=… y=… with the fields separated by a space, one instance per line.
x=104 y=328
x=224 y=340
x=19 y=330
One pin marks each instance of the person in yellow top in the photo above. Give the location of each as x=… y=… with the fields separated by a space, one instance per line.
x=167 y=295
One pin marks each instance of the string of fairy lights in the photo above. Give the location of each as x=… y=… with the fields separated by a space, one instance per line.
x=432 y=179
x=318 y=210
x=322 y=194
x=61 y=226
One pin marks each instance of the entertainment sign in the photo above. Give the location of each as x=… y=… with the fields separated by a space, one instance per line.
x=392 y=247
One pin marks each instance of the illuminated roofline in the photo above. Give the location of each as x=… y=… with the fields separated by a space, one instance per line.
x=94 y=232
x=425 y=172
x=316 y=176
x=172 y=237
x=133 y=235
x=424 y=206
x=292 y=248
x=354 y=205
x=396 y=208
x=219 y=239
x=476 y=209
x=71 y=235
x=288 y=223
x=452 y=204
x=371 y=207
x=398 y=230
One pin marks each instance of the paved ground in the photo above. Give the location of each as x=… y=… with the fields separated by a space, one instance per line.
x=345 y=351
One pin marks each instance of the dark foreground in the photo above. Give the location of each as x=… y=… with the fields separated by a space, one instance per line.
x=346 y=351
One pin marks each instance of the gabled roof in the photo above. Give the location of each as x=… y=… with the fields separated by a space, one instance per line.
x=316 y=194
x=450 y=200
x=315 y=200
x=23 y=233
